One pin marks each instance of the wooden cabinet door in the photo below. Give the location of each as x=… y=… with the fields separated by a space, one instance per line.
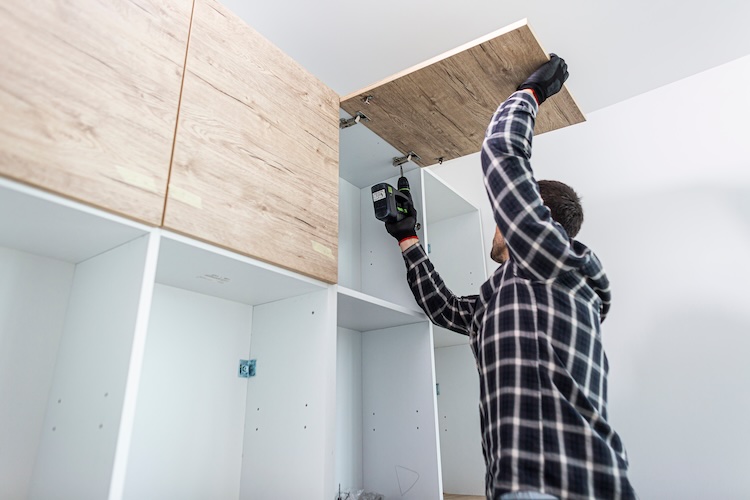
x=88 y=98
x=255 y=164
x=440 y=109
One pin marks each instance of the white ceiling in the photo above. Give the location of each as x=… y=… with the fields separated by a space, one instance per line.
x=615 y=49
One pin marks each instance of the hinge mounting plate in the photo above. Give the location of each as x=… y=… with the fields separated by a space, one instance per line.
x=247 y=368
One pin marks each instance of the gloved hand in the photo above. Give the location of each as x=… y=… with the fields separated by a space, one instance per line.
x=406 y=227
x=548 y=79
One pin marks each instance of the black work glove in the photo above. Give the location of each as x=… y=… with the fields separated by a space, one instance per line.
x=548 y=79
x=406 y=227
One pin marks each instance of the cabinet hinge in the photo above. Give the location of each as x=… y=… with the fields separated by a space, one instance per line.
x=349 y=122
x=410 y=156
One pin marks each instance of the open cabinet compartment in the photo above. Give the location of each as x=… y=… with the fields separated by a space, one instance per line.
x=202 y=431
x=454 y=243
x=120 y=363
x=387 y=411
x=386 y=429
x=386 y=434
x=456 y=248
x=73 y=281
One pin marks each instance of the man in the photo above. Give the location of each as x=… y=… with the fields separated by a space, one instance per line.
x=535 y=325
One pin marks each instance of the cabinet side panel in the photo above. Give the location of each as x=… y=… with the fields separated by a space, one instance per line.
x=79 y=436
x=458 y=421
x=187 y=435
x=383 y=269
x=400 y=449
x=456 y=252
x=287 y=428
x=350 y=247
x=255 y=167
x=349 y=410
x=89 y=98
x=34 y=295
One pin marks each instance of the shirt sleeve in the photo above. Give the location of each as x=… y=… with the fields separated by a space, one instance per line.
x=436 y=300
x=539 y=246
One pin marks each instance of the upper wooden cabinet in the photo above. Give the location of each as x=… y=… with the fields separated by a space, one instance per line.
x=255 y=164
x=88 y=98
x=440 y=109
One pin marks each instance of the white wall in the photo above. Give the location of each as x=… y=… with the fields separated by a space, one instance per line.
x=665 y=181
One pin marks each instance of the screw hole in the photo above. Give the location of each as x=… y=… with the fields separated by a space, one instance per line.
x=55 y=428
x=59 y=401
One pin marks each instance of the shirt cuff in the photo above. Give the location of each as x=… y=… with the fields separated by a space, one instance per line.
x=520 y=95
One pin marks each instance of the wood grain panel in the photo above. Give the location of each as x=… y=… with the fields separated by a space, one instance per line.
x=88 y=98
x=255 y=166
x=441 y=108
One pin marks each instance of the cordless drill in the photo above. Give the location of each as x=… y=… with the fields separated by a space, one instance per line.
x=390 y=204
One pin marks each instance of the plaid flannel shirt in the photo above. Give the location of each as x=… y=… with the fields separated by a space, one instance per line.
x=535 y=333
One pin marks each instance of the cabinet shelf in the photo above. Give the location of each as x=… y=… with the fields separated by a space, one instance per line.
x=202 y=268
x=362 y=312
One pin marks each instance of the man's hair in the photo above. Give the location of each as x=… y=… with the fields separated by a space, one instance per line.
x=564 y=204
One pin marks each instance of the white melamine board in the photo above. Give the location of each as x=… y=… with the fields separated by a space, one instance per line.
x=349 y=410
x=138 y=349
x=34 y=294
x=383 y=269
x=442 y=337
x=400 y=454
x=458 y=411
x=358 y=311
x=286 y=444
x=441 y=201
x=43 y=224
x=456 y=252
x=202 y=268
x=364 y=158
x=187 y=434
x=350 y=245
x=79 y=436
